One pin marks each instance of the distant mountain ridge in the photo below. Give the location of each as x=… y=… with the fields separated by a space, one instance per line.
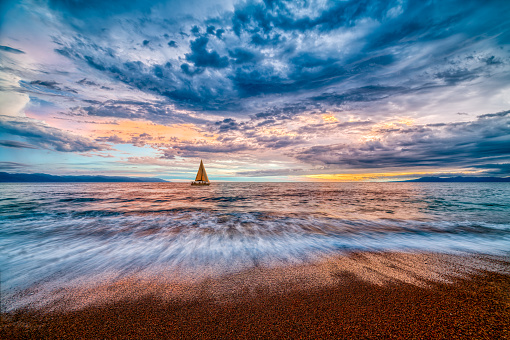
x=7 y=177
x=460 y=179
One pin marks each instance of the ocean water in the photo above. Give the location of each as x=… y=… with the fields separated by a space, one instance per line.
x=78 y=230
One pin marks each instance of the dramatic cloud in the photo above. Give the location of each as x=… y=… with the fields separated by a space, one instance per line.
x=159 y=112
x=284 y=47
x=435 y=145
x=203 y=58
x=274 y=85
x=43 y=136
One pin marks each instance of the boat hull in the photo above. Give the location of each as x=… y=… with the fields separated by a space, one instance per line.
x=200 y=183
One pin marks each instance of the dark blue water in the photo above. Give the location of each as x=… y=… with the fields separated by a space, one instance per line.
x=73 y=230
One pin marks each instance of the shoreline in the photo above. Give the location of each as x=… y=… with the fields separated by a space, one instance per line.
x=362 y=294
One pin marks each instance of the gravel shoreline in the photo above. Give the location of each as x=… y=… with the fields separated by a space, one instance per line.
x=365 y=296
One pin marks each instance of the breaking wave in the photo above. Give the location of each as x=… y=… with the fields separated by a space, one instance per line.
x=79 y=230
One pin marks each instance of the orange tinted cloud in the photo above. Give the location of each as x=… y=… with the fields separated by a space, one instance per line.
x=155 y=133
x=329 y=118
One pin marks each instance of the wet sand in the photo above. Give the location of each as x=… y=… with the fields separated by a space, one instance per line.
x=362 y=295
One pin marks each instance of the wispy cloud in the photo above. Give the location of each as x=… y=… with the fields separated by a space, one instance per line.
x=11 y=50
x=13 y=166
x=47 y=137
x=16 y=144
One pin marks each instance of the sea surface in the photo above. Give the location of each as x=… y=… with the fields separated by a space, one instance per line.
x=65 y=231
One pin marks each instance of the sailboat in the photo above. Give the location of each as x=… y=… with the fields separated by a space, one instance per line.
x=201 y=178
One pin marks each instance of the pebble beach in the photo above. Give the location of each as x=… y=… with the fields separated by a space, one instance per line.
x=360 y=295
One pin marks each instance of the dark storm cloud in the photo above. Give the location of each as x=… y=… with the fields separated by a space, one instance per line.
x=85 y=9
x=190 y=71
x=163 y=79
x=195 y=30
x=475 y=143
x=16 y=144
x=211 y=29
x=219 y=33
x=130 y=109
x=269 y=49
x=201 y=57
x=270 y=15
x=243 y=56
x=44 y=136
x=11 y=50
x=158 y=71
x=306 y=72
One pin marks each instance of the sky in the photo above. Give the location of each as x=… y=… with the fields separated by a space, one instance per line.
x=259 y=90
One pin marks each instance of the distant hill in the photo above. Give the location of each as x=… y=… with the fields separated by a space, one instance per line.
x=6 y=177
x=460 y=179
